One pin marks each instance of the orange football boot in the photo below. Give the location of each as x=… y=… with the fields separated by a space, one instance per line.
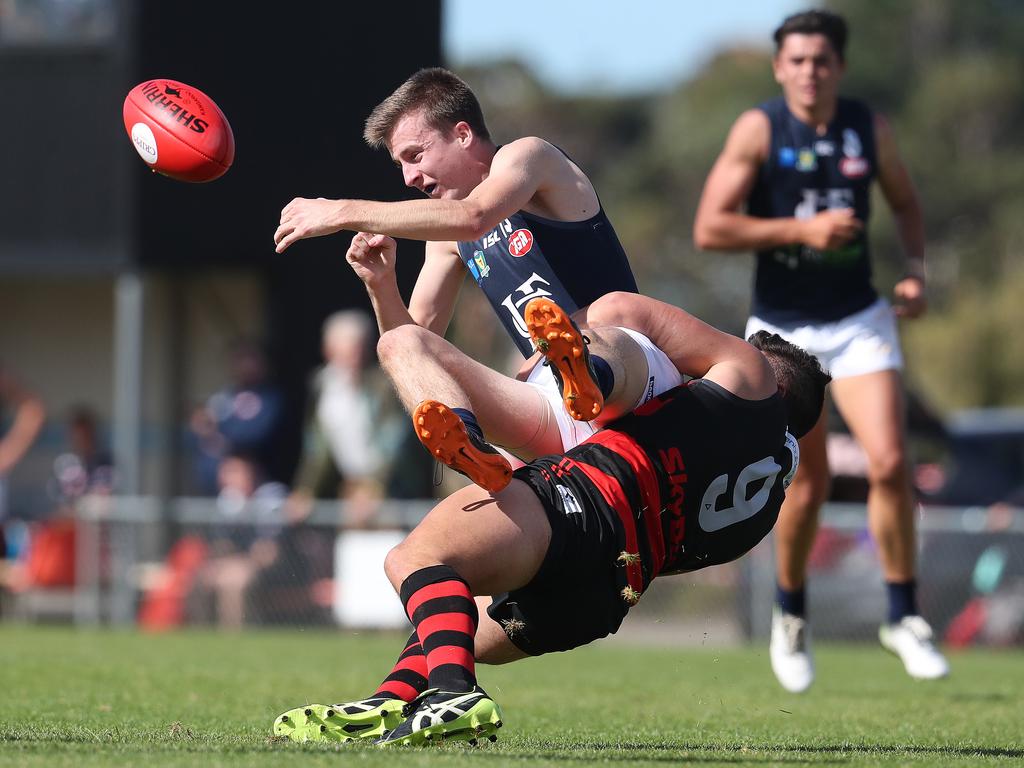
x=448 y=440
x=560 y=341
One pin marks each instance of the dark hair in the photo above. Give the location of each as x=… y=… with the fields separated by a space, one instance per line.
x=826 y=23
x=800 y=377
x=444 y=98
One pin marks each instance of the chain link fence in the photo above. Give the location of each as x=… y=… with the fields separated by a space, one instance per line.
x=194 y=562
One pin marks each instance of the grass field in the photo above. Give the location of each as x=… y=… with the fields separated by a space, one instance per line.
x=121 y=698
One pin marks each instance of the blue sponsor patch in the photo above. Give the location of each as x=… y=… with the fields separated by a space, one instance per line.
x=787 y=157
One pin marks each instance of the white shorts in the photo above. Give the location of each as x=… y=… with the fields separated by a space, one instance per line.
x=662 y=376
x=864 y=342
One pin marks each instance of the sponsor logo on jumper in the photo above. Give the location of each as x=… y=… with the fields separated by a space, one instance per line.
x=520 y=243
x=675 y=468
x=854 y=167
x=812 y=201
x=525 y=292
x=504 y=229
x=851 y=143
x=479 y=266
x=806 y=160
x=824 y=148
x=787 y=157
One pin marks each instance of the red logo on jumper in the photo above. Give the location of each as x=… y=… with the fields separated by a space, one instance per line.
x=520 y=242
x=853 y=167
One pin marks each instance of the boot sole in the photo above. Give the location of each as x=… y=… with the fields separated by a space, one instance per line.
x=562 y=344
x=445 y=436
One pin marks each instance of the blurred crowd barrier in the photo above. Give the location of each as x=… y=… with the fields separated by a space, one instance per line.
x=163 y=565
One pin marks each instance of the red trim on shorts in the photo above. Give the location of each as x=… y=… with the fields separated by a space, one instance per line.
x=449 y=588
x=650 y=493
x=451 y=654
x=614 y=496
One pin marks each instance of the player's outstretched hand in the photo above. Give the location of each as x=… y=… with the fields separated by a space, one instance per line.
x=832 y=229
x=910 y=297
x=372 y=256
x=303 y=218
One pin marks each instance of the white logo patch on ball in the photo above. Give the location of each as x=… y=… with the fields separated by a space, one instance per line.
x=145 y=142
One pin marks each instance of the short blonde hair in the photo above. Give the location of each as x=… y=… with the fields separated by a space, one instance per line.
x=444 y=98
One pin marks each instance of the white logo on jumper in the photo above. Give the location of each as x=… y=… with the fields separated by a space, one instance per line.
x=528 y=291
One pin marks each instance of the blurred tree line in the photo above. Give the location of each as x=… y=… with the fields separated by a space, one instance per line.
x=950 y=77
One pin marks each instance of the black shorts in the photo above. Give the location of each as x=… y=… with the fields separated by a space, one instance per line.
x=577 y=595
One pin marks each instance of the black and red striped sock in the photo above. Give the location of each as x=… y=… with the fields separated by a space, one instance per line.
x=439 y=604
x=409 y=677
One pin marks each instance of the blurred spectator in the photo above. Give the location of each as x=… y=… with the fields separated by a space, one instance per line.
x=242 y=543
x=244 y=416
x=83 y=469
x=358 y=444
x=28 y=416
x=86 y=467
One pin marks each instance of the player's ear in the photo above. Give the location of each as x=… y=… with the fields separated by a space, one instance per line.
x=463 y=133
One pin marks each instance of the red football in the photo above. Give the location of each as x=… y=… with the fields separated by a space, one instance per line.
x=178 y=130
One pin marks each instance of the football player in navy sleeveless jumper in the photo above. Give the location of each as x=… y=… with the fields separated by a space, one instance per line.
x=695 y=477
x=802 y=165
x=522 y=219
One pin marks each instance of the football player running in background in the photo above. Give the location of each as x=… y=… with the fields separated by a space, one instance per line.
x=803 y=165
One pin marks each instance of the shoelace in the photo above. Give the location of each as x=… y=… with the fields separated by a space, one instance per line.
x=413 y=705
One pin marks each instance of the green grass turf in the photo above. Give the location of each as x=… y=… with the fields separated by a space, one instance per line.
x=195 y=698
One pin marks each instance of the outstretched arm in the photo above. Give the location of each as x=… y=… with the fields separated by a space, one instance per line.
x=516 y=173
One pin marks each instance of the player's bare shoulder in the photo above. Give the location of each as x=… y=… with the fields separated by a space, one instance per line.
x=750 y=136
x=563 y=191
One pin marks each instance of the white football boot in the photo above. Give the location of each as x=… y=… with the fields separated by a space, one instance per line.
x=790 y=651
x=911 y=640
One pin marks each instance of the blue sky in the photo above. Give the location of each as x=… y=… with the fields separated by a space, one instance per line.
x=617 y=46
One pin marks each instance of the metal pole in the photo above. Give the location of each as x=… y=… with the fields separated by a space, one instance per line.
x=129 y=306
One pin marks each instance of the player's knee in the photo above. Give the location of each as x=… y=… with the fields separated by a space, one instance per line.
x=888 y=467
x=394 y=344
x=396 y=566
x=611 y=309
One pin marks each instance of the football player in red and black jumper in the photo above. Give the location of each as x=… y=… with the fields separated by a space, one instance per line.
x=693 y=478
